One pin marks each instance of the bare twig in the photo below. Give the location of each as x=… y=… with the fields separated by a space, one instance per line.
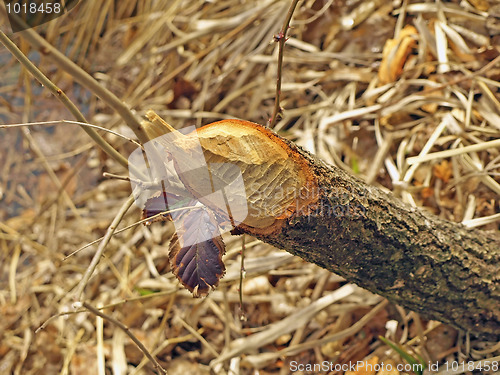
x=58 y=93
x=97 y=256
x=151 y=218
x=116 y=177
x=70 y=122
x=127 y=331
x=123 y=301
x=479 y=72
x=281 y=39
x=242 y=276
x=84 y=78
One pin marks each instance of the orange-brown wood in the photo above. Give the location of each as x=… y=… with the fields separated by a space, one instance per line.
x=279 y=182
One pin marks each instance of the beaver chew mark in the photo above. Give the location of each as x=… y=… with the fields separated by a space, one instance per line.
x=278 y=181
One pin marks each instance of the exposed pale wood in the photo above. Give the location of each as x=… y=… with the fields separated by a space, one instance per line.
x=278 y=181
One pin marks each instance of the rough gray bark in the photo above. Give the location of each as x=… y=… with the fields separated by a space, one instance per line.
x=437 y=268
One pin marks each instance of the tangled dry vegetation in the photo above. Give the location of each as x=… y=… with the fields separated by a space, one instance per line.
x=404 y=94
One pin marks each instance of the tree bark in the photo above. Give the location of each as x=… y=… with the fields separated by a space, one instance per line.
x=440 y=269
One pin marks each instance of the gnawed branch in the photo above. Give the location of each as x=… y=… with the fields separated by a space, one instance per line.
x=440 y=269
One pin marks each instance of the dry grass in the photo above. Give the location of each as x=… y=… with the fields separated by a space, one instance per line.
x=403 y=94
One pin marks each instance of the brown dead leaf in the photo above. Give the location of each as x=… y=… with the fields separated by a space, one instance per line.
x=84 y=361
x=395 y=54
x=440 y=340
x=184 y=91
x=443 y=171
x=481 y=5
x=427 y=192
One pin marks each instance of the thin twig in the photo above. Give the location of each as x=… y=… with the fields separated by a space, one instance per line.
x=467 y=77
x=58 y=315
x=59 y=94
x=70 y=122
x=143 y=185
x=97 y=256
x=281 y=39
x=242 y=276
x=108 y=306
x=116 y=177
x=129 y=333
x=151 y=218
x=51 y=173
x=83 y=78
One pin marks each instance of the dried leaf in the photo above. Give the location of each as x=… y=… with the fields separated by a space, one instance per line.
x=427 y=192
x=481 y=5
x=197 y=248
x=184 y=91
x=443 y=171
x=163 y=202
x=196 y=252
x=440 y=341
x=395 y=54
x=154 y=206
